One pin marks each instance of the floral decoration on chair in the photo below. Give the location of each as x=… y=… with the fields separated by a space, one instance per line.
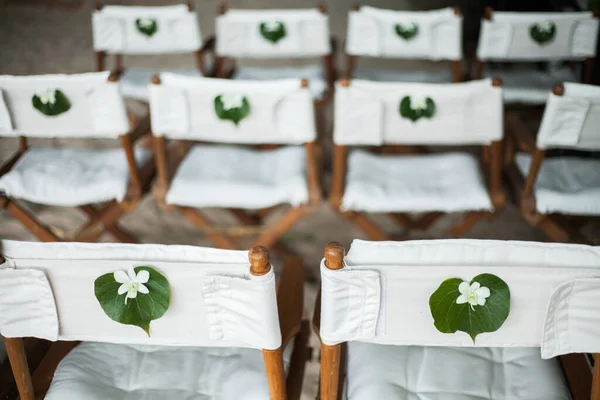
x=543 y=32
x=136 y=297
x=146 y=26
x=475 y=307
x=415 y=107
x=232 y=107
x=273 y=31
x=52 y=102
x=407 y=31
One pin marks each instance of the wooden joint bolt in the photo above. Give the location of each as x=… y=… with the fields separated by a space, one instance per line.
x=334 y=255
x=259 y=260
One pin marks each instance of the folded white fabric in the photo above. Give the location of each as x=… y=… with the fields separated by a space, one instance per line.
x=441 y=182
x=234 y=177
x=134 y=81
x=443 y=75
x=314 y=73
x=70 y=176
x=566 y=185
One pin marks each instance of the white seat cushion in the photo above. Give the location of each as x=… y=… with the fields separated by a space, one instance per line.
x=236 y=177
x=447 y=182
x=70 y=176
x=134 y=81
x=314 y=73
x=448 y=373
x=102 y=371
x=391 y=75
x=568 y=185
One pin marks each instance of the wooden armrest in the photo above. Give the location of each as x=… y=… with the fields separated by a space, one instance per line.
x=517 y=131
x=290 y=298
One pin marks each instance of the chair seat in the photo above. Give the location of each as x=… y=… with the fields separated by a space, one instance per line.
x=448 y=373
x=70 y=176
x=235 y=177
x=566 y=185
x=134 y=81
x=102 y=371
x=391 y=75
x=314 y=73
x=449 y=182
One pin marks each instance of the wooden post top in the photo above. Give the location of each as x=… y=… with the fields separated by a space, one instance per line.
x=356 y=7
x=222 y=8
x=304 y=83
x=487 y=14
x=344 y=82
x=155 y=79
x=496 y=82
x=98 y=6
x=559 y=89
x=321 y=7
x=259 y=260
x=334 y=255
x=191 y=6
x=457 y=11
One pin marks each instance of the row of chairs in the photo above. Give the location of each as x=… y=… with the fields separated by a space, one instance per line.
x=388 y=317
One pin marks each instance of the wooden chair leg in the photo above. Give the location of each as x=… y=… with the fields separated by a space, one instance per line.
x=596 y=379
x=372 y=231
x=18 y=362
x=220 y=240
x=270 y=235
x=42 y=377
x=101 y=222
x=34 y=226
x=122 y=235
x=402 y=219
x=467 y=223
x=295 y=375
x=578 y=375
x=330 y=371
x=275 y=373
x=552 y=230
x=425 y=221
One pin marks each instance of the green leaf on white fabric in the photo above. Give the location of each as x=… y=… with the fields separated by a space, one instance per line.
x=146 y=26
x=52 y=102
x=232 y=107
x=136 y=297
x=543 y=32
x=407 y=31
x=273 y=31
x=475 y=307
x=416 y=107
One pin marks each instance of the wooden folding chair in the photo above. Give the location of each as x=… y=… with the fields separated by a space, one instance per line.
x=407 y=317
x=276 y=117
x=558 y=193
x=103 y=183
x=376 y=115
x=199 y=345
x=380 y=34
x=139 y=30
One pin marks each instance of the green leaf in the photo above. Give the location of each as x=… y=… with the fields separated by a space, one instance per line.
x=273 y=34
x=61 y=104
x=235 y=114
x=449 y=317
x=407 y=32
x=139 y=311
x=146 y=26
x=540 y=35
x=414 y=114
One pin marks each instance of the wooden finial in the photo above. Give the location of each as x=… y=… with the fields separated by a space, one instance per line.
x=344 y=82
x=496 y=82
x=487 y=14
x=558 y=89
x=334 y=255
x=259 y=260
x=596 y=13
x=456 y=11
x=322 y=9
x=222 y=8
x=114 y=76
x=155 y=79
x=304 y=83
x=356 y=7
x=191 y=6
x=98 y=6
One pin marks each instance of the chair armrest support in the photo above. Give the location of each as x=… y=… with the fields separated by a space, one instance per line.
x=290 y=298
x=516 y=130
x=338 y=178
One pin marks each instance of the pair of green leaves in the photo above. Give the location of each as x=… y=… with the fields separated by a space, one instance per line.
x=51 y=103
x=414 y=114
x=273 y=31
x=225 y=111
x=407 y=31
x=543 y=32
x=146 y=26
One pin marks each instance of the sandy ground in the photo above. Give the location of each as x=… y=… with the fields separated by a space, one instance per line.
x=37 y=40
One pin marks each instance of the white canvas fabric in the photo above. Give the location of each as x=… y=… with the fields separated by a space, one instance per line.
x=238 y=34
x=451 y=373
x=411 y=271
x=115 y=30
x=368 y=113
x=70 y=176
x=234 y=177
x=443 y=75
x=134 y=81
x=372 y=32
x=507 y=36
x=97 y=108
x=72 y=268
x=314 y=73
x=447 y=182
x=568 y=185
x=184 y=108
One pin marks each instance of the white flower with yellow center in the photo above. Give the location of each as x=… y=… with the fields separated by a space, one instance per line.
x=418 y=102
x=232 y=101
x=132 y=283
x=48 y=97
x=273 y=26
x=146 y=22
x=474 y=294
x=545 y=26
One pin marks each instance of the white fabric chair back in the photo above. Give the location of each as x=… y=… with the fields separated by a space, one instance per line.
x=279 y=111
x=382 y=294
x=371 y=113
x=573 y=119
x=85 y=105
x=561 y=35
x=47 y=291
x=431 y=35
x=146 y=30
x=297 y=33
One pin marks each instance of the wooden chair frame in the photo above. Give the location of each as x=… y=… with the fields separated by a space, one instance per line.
x=101 y=219
x=71 y=5
x=491 y=163
x=290 y=303
x=583 y=384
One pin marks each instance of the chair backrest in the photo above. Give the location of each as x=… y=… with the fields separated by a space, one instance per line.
x=378 y=113
x=49 y=290
x=537 y=36
x=146 y=30
x=232 y=111
x=296 y=33
x=432 y=35
x=538 y=295
x=78 y=105
x=571 y=118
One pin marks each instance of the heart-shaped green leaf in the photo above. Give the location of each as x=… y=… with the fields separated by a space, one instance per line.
x=413 y=108
x=232 y=107
x=52 y=102
x=144 y=307
x=543 y=32
x=454 y=309
x=407 y=31
x=146 y=26
x=273 y=31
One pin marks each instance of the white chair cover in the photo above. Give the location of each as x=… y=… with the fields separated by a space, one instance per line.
x=116 y=30
x=238 y=34
x=372 y=32
x=47 y=291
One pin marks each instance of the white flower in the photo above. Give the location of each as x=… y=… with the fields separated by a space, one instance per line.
x=545 y=26
x=146 y=22
x=418 y=102
x=408 y=27
x=474 y=294
x=273 y=26
x=232 y=101
x=49 y=96
x=132 y=283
